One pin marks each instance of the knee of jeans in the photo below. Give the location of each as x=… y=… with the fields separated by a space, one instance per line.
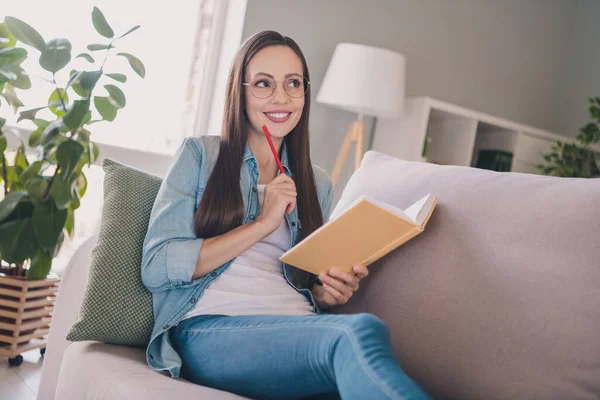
x=369 y=323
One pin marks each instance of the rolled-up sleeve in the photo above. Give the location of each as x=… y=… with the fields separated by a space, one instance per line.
x=171 y=249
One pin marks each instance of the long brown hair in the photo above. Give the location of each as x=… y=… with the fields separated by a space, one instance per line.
x=221 y=208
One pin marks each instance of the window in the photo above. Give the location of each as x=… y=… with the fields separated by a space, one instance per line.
x=153 y=117
x=186 y=47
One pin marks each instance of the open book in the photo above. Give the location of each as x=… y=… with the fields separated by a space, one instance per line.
x=361 y=234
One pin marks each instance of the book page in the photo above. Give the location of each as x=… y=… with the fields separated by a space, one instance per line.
x=413 y=211
x=389 y=207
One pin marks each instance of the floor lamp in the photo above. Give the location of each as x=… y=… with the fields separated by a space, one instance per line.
x=365 y=80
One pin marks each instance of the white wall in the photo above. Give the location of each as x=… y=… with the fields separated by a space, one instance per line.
x=582 y=79
x=502 y=57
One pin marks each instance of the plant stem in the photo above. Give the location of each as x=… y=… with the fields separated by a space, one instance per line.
x=51 y=182
x=58 y=91
x=106 y=55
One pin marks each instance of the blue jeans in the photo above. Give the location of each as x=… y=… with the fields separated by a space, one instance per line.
x=290 y=357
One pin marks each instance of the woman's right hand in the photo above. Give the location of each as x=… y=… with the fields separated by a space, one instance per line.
x=279 y=199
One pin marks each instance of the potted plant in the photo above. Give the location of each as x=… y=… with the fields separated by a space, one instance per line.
x=39 y=195
x=577 y=160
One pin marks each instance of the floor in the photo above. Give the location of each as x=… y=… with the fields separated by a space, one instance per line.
x=21 y=383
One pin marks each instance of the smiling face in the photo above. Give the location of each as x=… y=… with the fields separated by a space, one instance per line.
x=280 y=111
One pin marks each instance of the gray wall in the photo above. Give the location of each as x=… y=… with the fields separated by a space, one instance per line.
x=582 y=79
x=500 y=57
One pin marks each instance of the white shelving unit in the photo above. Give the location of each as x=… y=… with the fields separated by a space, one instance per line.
x=458 y=134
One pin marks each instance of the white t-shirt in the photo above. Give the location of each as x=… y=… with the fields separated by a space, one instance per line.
x=254 y=283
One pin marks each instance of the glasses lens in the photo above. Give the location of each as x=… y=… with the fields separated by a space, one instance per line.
x=262 y=87
x=296 y=86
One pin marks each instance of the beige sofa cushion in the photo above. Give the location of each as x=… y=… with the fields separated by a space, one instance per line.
x=499 y=298
x=93 y=370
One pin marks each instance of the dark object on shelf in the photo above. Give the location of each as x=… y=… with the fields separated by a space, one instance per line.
x=496 y=160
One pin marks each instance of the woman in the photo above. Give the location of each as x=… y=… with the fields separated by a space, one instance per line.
x=227 y=313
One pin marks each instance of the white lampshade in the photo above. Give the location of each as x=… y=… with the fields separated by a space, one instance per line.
x=365 y=79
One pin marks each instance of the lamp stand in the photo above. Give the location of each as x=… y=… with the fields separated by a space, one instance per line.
x=355 y=135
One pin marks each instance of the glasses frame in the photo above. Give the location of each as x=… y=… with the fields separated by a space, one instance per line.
x=275 y=87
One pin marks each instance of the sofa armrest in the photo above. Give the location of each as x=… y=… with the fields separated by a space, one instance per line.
x=69 y=297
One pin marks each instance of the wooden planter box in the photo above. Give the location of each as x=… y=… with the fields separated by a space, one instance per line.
x=25 y=312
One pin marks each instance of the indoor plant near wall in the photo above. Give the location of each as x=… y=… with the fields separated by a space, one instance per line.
x=577 y=159
x=40 y=195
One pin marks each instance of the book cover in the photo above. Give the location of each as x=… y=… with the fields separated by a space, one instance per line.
x=365 y=231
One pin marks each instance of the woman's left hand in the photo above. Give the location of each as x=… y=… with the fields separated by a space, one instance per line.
x=338 y=286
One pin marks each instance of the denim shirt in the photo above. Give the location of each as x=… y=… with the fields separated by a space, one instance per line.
x=171 y=249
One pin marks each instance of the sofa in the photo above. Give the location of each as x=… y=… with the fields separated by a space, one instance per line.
x=499 y=297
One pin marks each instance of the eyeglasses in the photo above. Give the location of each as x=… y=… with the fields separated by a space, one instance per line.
x=263 y=86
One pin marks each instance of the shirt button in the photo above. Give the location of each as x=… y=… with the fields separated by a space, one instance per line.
x=166 y=326
x=293 y=223
x=213 y=274
x=254 y=189
x=252 y=217
x=192 y=300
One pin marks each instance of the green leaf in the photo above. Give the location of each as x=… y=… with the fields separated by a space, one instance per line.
x=12 y=99
x=41 y=263
x=31 y=171
x=41 y=123
x=117 y=95
x=101 y=25
x=87 y=118
x=82 y=184
x=106 y=109
x=25 y=33
x=93 y=152
x=10 y=55
x=61 y=239
x=70 y=223
x=29 y=114
x=35 y=136
x=135 y=63
x=17 y=240
x=12 y=173
x=63 y=192
x=36 y=187
x=50 y=132
x=22 y=82
x=118 y=77
x=55 y=101
x=8 y=76
x=56 y=55
x=9 y=203
x=48 y=223
x=73 y=76
x=98 y=47
x=68 y=154
x=20 y=159
x=85 y=83
x=2 y=122
x=86 y=56
x=74 y=118
x=135 y=28
x=6 y=38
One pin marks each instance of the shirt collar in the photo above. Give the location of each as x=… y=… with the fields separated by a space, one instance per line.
x=248 y=155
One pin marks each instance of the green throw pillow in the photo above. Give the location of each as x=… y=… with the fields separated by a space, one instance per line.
x=117 y=308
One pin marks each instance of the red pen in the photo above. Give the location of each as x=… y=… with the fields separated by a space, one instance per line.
x=268 y=135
